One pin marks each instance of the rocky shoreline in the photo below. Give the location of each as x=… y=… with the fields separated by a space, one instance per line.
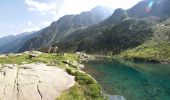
x=147 y=60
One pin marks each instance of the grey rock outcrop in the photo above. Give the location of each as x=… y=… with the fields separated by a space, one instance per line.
x=33 y=82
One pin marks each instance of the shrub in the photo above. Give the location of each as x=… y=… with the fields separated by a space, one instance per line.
x=83 y=79
x=69 y=71
x=93 y=91
x=90 y=88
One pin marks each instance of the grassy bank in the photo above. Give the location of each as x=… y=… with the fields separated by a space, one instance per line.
x=85 y=89
x=149 y=52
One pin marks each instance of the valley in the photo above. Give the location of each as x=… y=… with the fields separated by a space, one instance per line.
x=99 y=54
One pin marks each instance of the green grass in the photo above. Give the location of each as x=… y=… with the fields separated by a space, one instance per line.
x=14 y=59
x=49 y=59
x=88 y=86
x=149 y=51
x=74 y=93
x=83 y=79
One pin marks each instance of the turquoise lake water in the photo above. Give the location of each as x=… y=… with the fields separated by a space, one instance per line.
x=134 y=81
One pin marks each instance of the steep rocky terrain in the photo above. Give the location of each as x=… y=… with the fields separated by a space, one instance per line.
x=113 y=39
x=66 y=25
x=126 y=30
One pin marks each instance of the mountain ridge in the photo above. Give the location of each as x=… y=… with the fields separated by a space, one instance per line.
x=64 y=26
x=121 y=31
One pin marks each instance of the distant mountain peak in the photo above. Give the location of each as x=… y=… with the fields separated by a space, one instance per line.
x=119 y=12
x=118 y=16
x=99 y=8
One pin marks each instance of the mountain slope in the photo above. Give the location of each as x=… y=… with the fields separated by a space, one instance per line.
x=113 y=39
x=116 y=33
x=11 y=44
x=157 y=49
x=4 y=40
x=66 y=25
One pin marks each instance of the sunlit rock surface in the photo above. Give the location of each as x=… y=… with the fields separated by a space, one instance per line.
x=33 y=82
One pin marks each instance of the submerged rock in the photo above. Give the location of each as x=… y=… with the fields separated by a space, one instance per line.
x=81 y=66
x=116 y=97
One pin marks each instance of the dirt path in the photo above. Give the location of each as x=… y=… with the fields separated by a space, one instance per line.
x=33 y=82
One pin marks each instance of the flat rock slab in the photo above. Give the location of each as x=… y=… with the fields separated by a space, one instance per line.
x=33 y=82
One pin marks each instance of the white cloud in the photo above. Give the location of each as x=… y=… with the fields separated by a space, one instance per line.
x=29 y=23
x=41 y=6
x=77 y=6
x=46 y=23
x=125 y=4
x=10 y=26
x=59 y=8
x=31 y=29
x=43 y=13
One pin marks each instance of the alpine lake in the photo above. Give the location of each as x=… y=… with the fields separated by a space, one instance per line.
x=132 y=80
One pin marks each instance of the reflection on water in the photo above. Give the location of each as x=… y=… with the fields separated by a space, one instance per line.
x=135 y=81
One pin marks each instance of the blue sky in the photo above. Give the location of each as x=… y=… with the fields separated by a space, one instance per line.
x=18 y=16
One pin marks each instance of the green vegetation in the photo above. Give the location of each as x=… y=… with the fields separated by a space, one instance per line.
x=157 y=49
x=14 y=59
x=88 y=86
x=51 y=59
x=69 y=71
x=83 y=79
x=149 y=52
x=74 y=93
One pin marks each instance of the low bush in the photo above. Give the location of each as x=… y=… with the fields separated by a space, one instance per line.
x=83 y=79
x=74 y=93
x=93 y=91
x=70 y=72
x=89 y=86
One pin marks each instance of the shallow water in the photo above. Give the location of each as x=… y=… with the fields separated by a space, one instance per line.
x=134 y=81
